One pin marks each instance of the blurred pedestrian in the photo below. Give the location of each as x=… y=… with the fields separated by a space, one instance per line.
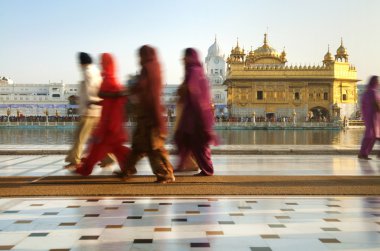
x=88 y=93
x=189 y=163
x=151 y=130
x=109 y=136
x=371 y=116
x=195 y=127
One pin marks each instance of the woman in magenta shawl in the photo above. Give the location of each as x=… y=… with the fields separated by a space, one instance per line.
x=195 y=128
x=370 y=114
x=109 y=136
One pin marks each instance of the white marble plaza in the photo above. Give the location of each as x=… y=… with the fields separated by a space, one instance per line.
x=251 y=223
x=212 y=223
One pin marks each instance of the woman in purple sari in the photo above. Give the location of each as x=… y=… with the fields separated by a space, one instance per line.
x=195 y=127
x=371 y=116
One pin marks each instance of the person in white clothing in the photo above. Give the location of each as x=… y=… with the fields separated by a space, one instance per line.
x=89 y=111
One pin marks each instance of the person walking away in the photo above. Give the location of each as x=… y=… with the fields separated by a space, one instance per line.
x=195 y=127
x=189 y=163
x=371 y=116
x=151 y=131
x=109 y=136
x=88 y=93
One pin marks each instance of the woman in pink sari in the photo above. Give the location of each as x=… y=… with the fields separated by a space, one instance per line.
x=371 y=117
x=195 y=127
x=109 y=136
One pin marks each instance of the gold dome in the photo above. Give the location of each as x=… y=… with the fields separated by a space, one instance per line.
x=283 y=56
x=267 y=55
x=341 y=51
x=250 y=57
x=283 y=53
x=251 y=53
x=237 y=49
x=265 y=50
x=328 y=55
x=237 y=55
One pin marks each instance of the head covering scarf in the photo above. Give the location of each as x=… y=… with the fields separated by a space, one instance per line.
x=149 y=88
x=112 y=116
x=197 y=115
x=110 y=83
x=373 y=83
x=370 y=113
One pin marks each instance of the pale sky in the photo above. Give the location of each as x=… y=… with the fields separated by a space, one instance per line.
x=40 y=38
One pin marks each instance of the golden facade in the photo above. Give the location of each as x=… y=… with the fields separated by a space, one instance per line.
x=262 y=83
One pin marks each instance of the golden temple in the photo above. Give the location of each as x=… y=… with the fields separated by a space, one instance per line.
x=261 y=82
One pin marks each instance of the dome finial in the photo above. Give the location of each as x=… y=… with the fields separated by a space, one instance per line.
x=265 y=39
x=341 y=41
x=215 y=38
x=328 y=59
x=237 y=41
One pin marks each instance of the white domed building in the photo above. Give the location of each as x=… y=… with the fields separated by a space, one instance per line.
x=216 y=74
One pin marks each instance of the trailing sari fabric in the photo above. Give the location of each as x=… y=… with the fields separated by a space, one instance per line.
x=110 y=135
x=150 y=132
x=195 y=127
x=371 y=116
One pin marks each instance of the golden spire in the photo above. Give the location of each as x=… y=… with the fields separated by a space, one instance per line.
x=328 y=54
x=265 y=39
x=328 y=57
x=283 y=56
x=283 y=53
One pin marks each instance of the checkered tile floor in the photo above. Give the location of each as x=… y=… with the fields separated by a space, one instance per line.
x=215 y=223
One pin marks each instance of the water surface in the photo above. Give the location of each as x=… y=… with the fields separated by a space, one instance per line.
x=64 y=135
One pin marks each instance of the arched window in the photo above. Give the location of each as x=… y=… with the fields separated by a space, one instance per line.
x=297 y=96
x=325 y=96
x=260 y=95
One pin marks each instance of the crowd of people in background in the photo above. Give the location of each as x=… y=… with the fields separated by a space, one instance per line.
x=23 y=118
x=77 y=118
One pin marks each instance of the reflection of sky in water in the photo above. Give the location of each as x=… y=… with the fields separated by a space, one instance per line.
x=291 y=137
x=64 y=135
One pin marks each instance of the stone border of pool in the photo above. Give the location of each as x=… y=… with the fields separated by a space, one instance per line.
x=218 y=150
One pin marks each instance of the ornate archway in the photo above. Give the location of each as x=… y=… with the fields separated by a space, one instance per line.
x=319 y=113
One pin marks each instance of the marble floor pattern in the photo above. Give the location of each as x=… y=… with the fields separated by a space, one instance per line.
x=212 y=223
x=194 y=223
x=51 y=165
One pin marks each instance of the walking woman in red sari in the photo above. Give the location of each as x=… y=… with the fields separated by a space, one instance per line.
x=195 y=127
x=150 y=132
x=109 y=136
